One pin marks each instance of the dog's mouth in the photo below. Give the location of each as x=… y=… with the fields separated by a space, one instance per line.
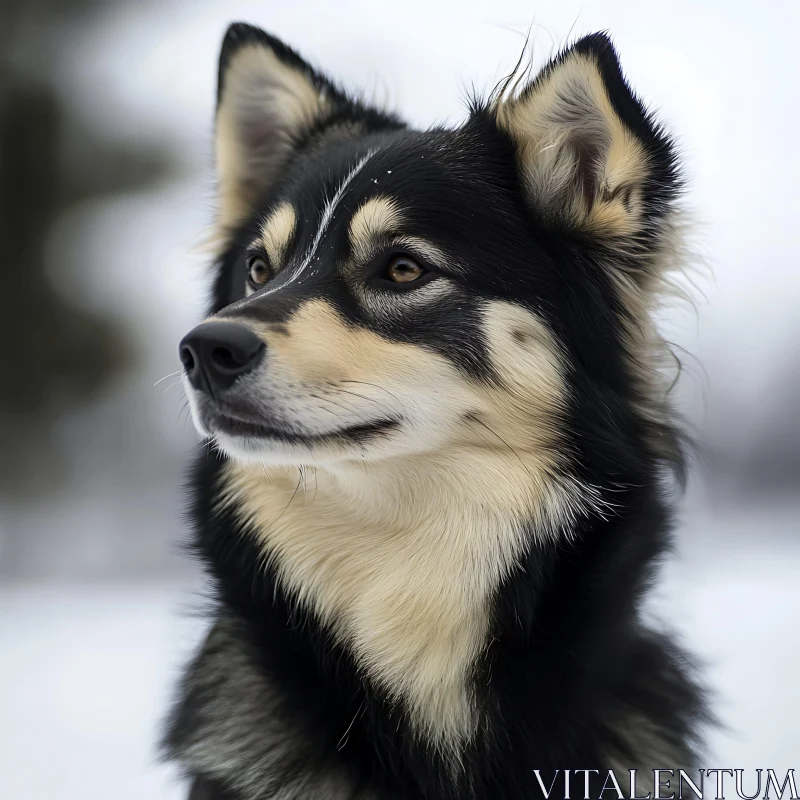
x=219 y=422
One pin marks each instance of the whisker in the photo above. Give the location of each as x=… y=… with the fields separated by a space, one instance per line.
x=382 y=406
x=494 y=433
x=329 y=400
x=173 y=385
x=294 y=494
x=375 y=385
x=361 y=396
x=184 y=410
x=171 y=375
x=304 y=476
x=345 y=736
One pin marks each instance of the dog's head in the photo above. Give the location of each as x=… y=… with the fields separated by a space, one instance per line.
x=385 y=292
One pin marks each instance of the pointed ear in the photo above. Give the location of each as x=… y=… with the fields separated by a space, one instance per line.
x=590 y=156
x=269 y=100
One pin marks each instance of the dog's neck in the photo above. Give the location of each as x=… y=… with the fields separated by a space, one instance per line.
x=400 y=560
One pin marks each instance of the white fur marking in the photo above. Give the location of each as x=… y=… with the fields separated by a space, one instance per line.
x=325 y=220
x=327 y=212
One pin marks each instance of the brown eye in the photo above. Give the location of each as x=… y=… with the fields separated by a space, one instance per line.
x=257 y=270
x=402 y=269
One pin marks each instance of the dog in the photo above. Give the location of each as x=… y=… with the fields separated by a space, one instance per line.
x=442 y=454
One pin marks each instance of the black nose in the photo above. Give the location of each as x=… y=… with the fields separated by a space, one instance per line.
x=215 y=354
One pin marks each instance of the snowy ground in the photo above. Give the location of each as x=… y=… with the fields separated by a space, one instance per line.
x=86 y=671
x=86 y=675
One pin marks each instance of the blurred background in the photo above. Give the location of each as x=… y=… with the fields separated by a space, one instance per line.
x=105 y=191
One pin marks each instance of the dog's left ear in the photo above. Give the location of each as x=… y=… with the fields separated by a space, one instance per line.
x=590 y=157
x=269 y=101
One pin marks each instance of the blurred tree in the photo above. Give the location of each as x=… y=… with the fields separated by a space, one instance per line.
x=55 y=356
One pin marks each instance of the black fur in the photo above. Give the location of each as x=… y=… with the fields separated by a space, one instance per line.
x=568 y=664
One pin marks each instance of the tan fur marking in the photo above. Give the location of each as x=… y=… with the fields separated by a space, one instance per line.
x=373 y=221
x=423 y=248
x=569 y=105
x=277 y=232
x=400 y=557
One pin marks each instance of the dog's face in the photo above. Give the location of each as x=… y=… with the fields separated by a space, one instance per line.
x=375 y=287
x=385 y=292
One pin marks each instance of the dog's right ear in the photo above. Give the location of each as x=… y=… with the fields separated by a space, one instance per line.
x=267 y=98
x=268 y=101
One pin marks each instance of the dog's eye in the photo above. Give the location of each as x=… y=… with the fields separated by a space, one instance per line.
x=402 y=269
x=258 y=272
